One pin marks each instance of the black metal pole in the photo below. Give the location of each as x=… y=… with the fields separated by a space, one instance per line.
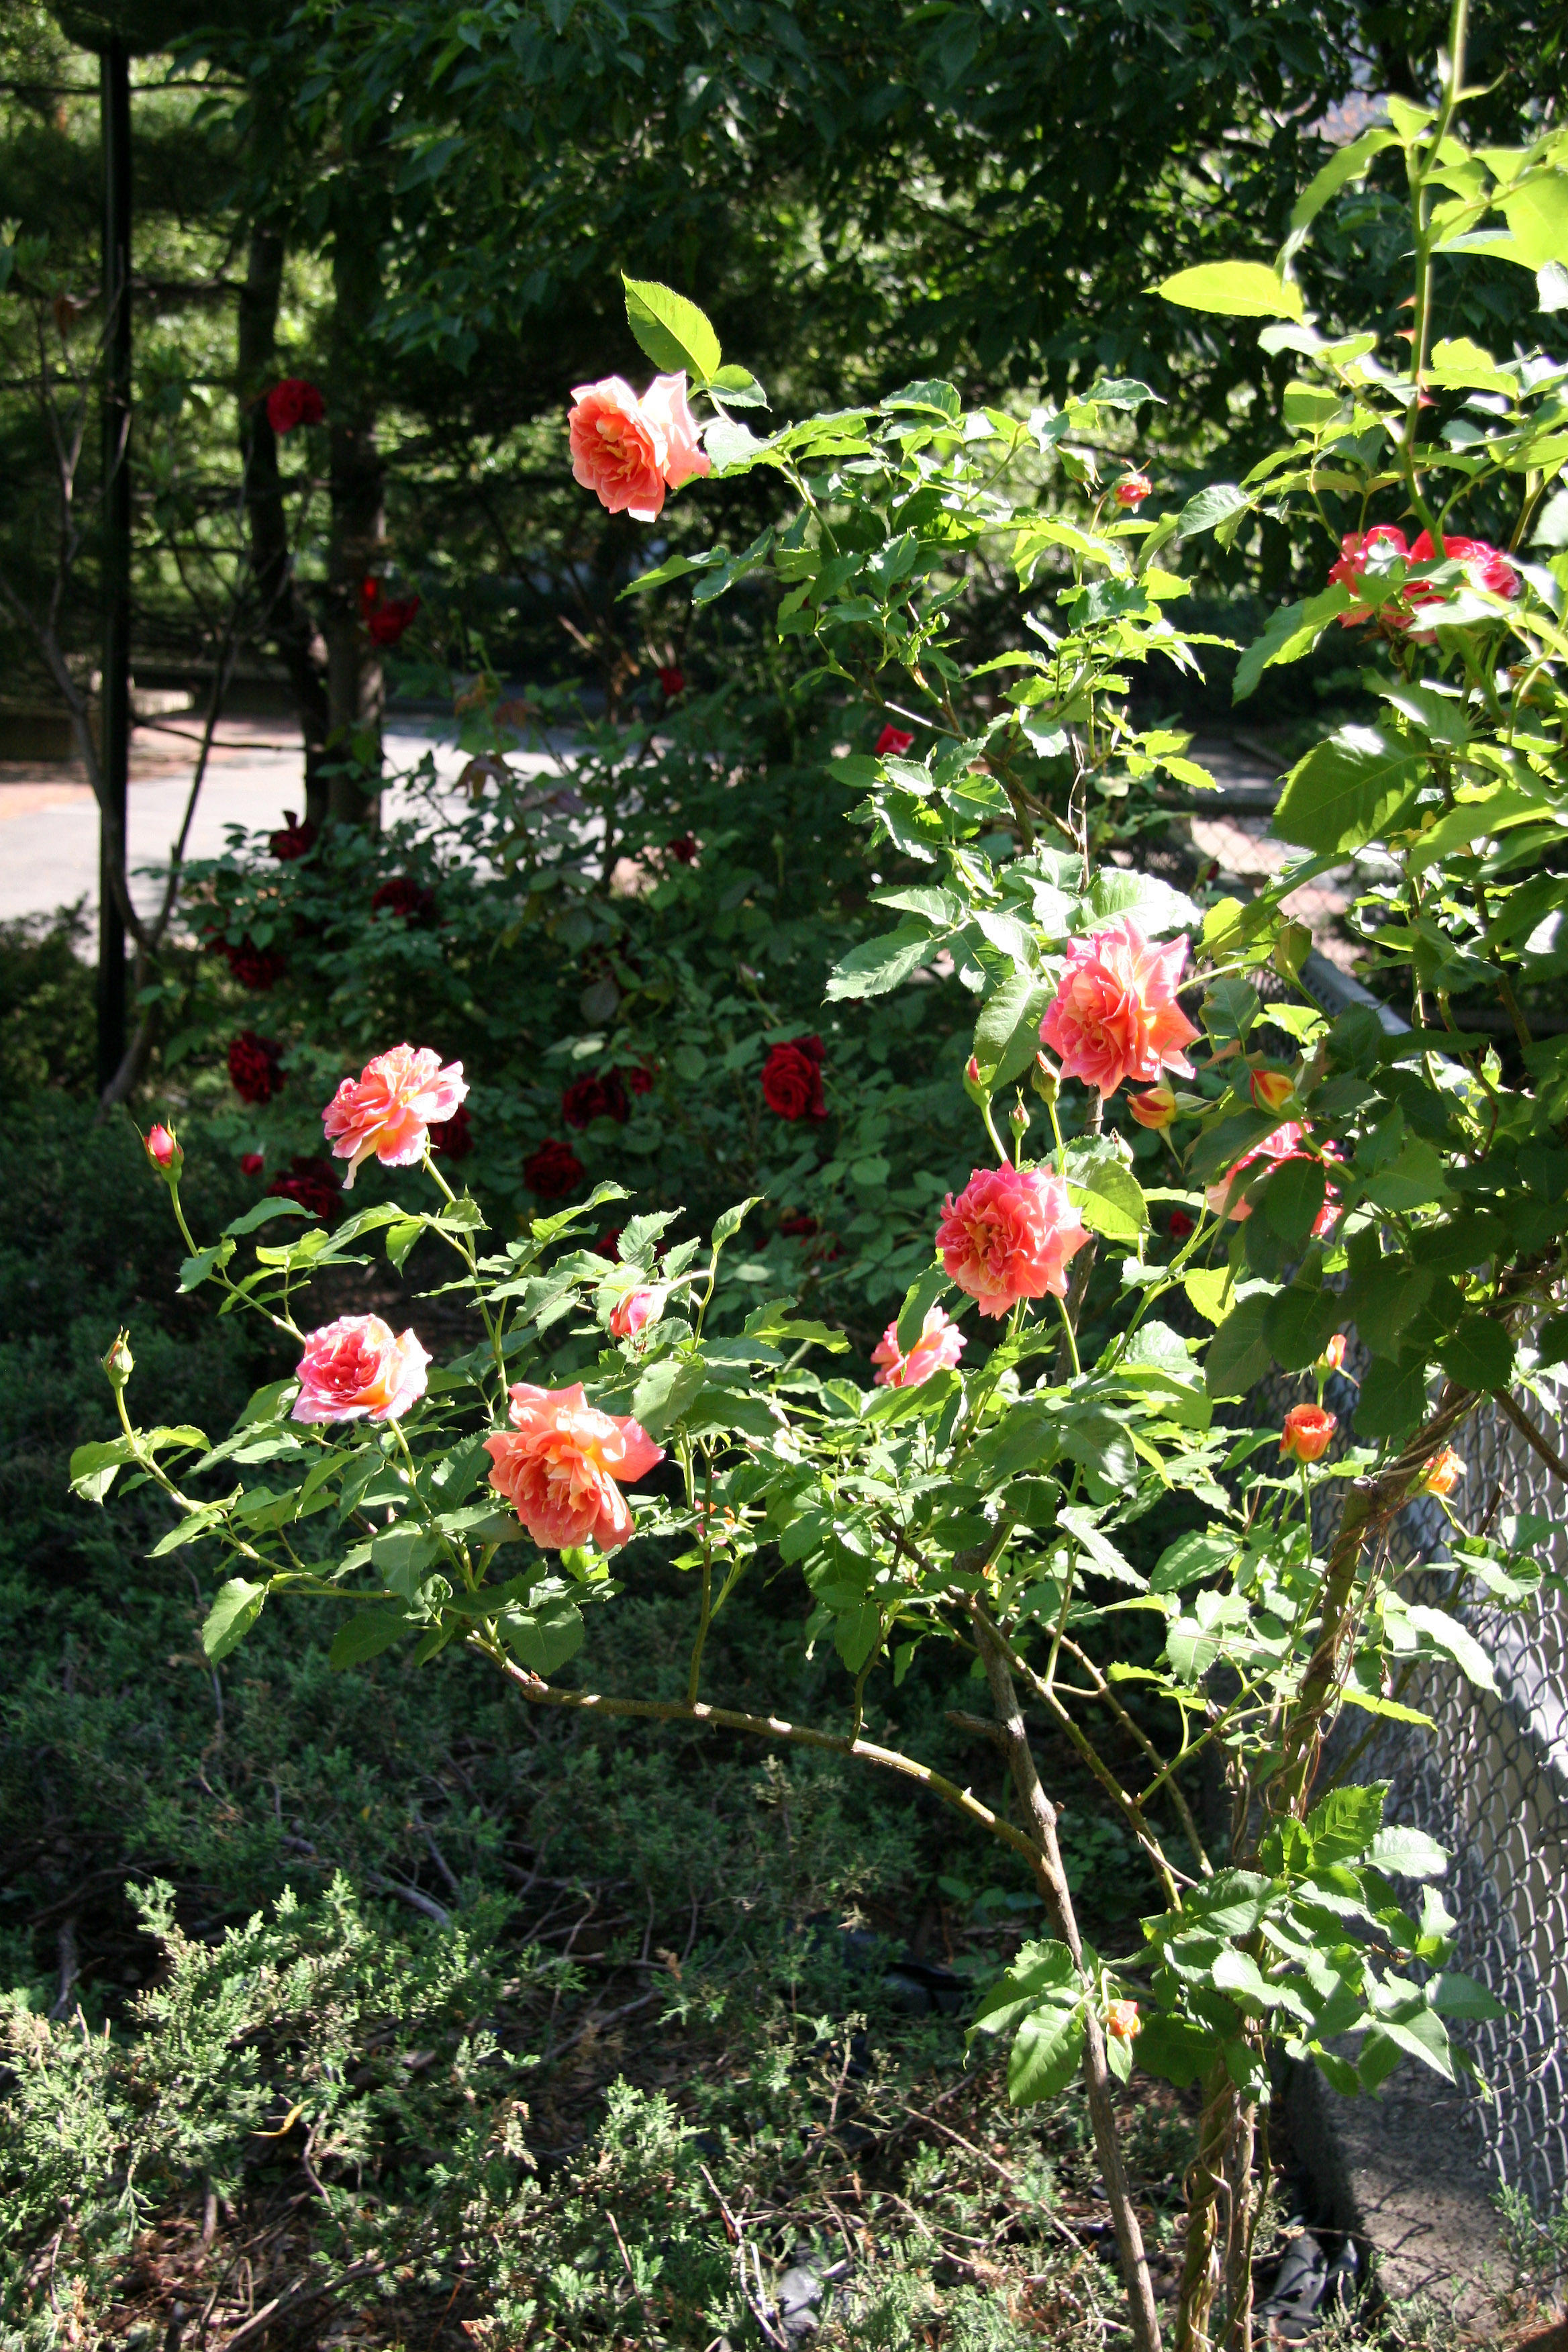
x=114 y=701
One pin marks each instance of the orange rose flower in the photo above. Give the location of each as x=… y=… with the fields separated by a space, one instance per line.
x=1116 y=1014
x=1309 y=1432
x=1122 y=2020
x=559 y=1463
x=1444 y=1472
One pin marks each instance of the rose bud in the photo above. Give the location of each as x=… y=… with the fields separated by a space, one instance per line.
x=1133 y=489
x=1272 y=1089
x=1155 y=1106
x=1018 y=1118
x=1046 y=1078
x=1333 y=1354
x=1122 y=2020
x=1308 y=1432
x=636 y=1309
x=1444 y=1472
x=120 y=1363
x=162 y=1150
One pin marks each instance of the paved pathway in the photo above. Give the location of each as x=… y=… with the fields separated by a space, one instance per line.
x=48 y=819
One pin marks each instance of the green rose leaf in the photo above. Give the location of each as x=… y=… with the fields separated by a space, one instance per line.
x=365 y=1635
x=231 y=1616
x=545 y=1635
x=673 y=332
x=1357 y=784
x=1233 y=290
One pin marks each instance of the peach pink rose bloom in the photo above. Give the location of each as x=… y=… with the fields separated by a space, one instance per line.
x=938 y=1348
x=559 y=1463
x=1308 y=1432
x=637 y=1308
x=1116 y=1014
x=1228 y=1198
x=628 y=451
x=388 y=1110
x=355 y=1370
x=1009 y=1236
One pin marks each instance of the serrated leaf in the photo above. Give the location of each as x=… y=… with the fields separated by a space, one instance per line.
x=1291 y=633
x=1455 y=1641
x=365 y=1635
x=728 y=1223
x=673 y=332
x=1239 y=1354
x=918 y=1299
x=1215 y=505
x=233 y=1613
x=545 y=1634
x=665 y=1390
x=1233 y=290
x=1355 y=785
x=878 y=965
x=1404 y=1853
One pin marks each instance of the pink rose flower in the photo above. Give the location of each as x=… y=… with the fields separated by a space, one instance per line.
x=355 y=1370
x=559 y=1463
x=1491 y=567
x=162 y=1150
x=631 y=1314
x=389 y=1109
x=938 y=1348
x=628 y=451
x=1116 y=1014
x=618 y=451
x=1133 y=489
x=664 y=403
x=1226 y=1198
x=1009 y=1236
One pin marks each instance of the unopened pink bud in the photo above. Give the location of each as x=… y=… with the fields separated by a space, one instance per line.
x=163 y=1151
x=971 y=1071
x=1133 y=489
x=1334 y=1353
x=631 y=1314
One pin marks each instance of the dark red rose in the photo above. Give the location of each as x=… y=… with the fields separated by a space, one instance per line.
x=892 y=742
x=294 y=402
x=258 y=969
x=553 y=1171
x=586 y=1099
x=454 y=1135
x=251 y=1162
x=255 y=1068
x=386 y=617
x=673 y=682
x=799 y=1228
x=639 y=1079
x=1180 y=1225
x=405 y=897
x=792 y=1079
x=313 y=1183
x=292 y=839
x=684 y=848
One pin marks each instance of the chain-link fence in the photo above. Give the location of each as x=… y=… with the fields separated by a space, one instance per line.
x=1488 y=1778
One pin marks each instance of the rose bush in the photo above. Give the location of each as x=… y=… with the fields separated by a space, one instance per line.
x=1421 y=1194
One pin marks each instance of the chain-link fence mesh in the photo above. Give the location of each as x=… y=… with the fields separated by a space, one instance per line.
x=1487 y=1776
x=1488 y=1780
